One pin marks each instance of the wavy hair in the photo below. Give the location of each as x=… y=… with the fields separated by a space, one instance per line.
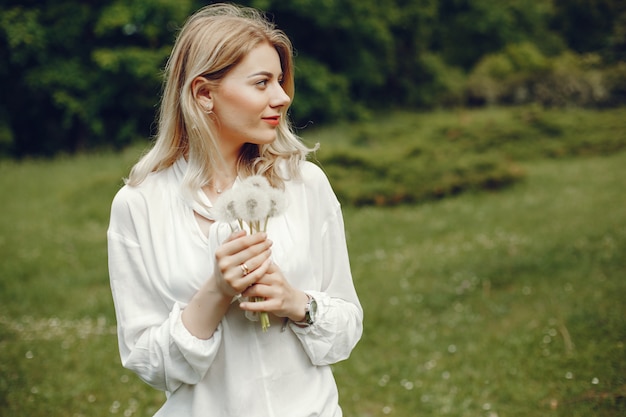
x=211 y=43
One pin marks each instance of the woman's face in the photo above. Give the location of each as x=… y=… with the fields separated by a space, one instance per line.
x=249 y=100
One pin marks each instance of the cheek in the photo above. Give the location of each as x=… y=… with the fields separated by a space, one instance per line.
x=240 y=101
x=240 y=113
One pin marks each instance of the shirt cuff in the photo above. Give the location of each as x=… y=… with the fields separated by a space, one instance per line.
x=188 y=342
x=321 y=299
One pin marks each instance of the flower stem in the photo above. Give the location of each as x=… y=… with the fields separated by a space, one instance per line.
x=263 y=316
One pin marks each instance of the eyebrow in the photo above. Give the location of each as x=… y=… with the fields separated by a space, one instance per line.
x=264 y=73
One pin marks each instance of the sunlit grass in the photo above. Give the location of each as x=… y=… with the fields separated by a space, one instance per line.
x=486 y=304
x=507 y=304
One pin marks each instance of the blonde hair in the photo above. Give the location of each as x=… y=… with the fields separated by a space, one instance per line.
x=212 y=42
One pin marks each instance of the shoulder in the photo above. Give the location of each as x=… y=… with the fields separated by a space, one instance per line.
x=303 y=173
x=316 y=186
x=141 y=196
x=313 y=174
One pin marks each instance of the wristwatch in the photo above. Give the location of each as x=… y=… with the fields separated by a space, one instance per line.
x=310 y=310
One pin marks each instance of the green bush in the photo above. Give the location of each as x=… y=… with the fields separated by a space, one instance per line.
x=326 y=93
x=616 y=80
x=522 y=74
x=408 y=158
x=443 y=84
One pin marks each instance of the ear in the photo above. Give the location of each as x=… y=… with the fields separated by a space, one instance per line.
x=201 y=91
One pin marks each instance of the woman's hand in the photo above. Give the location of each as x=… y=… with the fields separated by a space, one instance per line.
x=281 y=299
x=241 y=261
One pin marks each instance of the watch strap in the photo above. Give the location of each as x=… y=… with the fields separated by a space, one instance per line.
x=308 y=320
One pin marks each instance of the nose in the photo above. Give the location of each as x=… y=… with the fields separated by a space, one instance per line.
x=279 y=97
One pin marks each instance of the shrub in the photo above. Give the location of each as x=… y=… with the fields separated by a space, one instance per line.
x=326 y=93
x=445 y=86
x=414 y=158
x=616 y=82
x=522 y=74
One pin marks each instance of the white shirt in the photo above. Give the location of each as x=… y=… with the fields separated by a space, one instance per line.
x=159 y=258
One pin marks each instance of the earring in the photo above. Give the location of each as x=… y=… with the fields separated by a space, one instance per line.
x=208 y=111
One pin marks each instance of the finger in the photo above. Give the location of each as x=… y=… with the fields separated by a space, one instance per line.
x=258 y=273
x=251 y=258
x=241 y=242
x=264 y=305
x=256 y=261
x=235 y=235
x=240 y=282
x=232 y=255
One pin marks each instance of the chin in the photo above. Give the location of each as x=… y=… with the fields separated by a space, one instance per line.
x=268 y=140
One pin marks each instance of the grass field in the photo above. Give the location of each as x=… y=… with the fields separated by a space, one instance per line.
x=494 y=304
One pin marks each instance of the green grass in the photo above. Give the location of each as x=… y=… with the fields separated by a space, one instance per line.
x=414 y=157
x=507 y=303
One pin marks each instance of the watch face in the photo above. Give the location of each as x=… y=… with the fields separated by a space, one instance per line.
x=312 y=310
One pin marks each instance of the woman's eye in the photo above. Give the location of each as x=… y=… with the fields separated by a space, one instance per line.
x=262 y=83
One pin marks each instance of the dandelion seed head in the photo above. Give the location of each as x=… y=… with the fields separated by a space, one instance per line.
x=253 y=206
x=408 y=385
x=224 y=209
x=253 y=201
x=257 y=181
x=278 y=204
x=115 y=407
x=430 y=364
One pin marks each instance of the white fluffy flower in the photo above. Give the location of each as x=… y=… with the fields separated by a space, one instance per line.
x=253 y=205
x=257 y=181
x=253 y=201
x=224 y=209
x=277 y=202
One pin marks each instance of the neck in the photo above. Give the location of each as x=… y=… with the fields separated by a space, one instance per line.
x=225 y=172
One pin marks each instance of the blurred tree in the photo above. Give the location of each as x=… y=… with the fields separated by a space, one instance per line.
x=78 y=74
x=374 y=47
x=470 y=29
x=592 y=26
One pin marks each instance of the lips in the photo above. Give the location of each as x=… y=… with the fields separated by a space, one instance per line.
x=273 y=120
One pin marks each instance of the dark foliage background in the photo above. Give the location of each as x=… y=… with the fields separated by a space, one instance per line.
x=77 y=74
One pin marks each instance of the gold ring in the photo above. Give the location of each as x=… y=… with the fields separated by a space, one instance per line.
x=245 y=269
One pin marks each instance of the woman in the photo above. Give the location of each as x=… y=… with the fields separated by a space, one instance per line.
x=175 y=270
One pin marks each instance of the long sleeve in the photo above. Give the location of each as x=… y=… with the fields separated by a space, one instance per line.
x=339 y=320
x=335 y=333
x=153 y=341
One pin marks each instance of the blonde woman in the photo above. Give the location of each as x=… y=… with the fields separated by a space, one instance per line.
x=177 y=273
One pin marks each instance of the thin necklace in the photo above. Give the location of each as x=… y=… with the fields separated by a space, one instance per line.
x=219 y=189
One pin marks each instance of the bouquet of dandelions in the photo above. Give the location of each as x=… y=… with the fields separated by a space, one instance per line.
x=251 y=204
